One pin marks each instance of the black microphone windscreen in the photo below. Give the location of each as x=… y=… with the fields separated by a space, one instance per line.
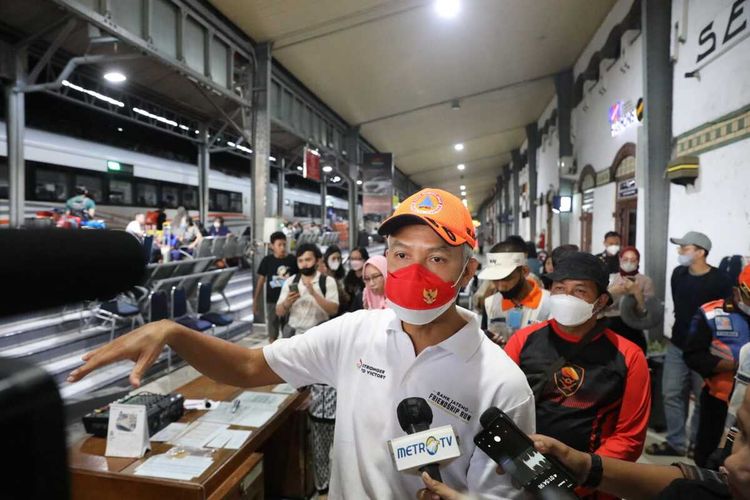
x=489 y=415
x=413 y=412
x=52 y=267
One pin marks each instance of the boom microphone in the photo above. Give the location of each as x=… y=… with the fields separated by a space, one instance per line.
x=51 y=267
x=415 y=415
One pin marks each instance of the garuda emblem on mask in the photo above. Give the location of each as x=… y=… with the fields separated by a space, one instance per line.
x=429 y=296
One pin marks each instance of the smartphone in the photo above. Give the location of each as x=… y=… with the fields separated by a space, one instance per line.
x=294 y=288
x=509 y=446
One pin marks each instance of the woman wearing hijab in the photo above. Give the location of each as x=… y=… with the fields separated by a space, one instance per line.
x=353 y=283
x=334 y=269
x=374 y=276
x=628 y=281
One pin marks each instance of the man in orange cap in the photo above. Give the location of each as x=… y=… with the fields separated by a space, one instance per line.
x=422 y=346
x=718 y=331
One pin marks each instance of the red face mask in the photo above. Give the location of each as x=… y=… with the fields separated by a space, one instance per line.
x=417 y=295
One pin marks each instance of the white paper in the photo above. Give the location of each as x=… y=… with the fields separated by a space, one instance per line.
x=181 y=468
x=253 y=417
x=284 y=389
x=231 y=439
x=127 y=431
x=198 y=434
x=262 y=398
x=254 y=410
x=169 y=432
x=237 y=439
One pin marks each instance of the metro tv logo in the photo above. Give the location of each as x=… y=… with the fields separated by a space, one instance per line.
x=430 y=446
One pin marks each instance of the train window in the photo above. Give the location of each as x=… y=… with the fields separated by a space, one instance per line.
x=170 y=196
x=145 y=194
x=306 y=210
x=4 y=178
x=235 y=202
x=222 y=201
x=190 y=198
x=93 y=184
x=120 y=192
x=51 y=185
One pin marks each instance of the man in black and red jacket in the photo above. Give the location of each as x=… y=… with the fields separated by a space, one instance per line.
x=592 y=386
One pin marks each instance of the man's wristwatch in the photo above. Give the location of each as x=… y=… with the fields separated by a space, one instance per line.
x=595 y=473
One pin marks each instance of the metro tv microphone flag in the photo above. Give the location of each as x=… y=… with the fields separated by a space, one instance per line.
x=52 y=267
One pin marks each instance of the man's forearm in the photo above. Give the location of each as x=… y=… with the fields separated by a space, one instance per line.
x=633 y=480
x=220 y=360
x=259 y=288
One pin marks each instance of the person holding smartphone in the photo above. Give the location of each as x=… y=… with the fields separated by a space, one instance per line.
x=629 y=281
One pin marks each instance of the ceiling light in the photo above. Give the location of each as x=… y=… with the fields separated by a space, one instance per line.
x=114 y=77
x=462 y=187
x=359 y=182
x=447 y=8
x=327 y=169
x=119 y=129
x=92 y=93
x=336 y=178
x=458 y=147
x=299 y=167
x=155 y=117
x=184 y=127
x=460 y=166
x=463 y=193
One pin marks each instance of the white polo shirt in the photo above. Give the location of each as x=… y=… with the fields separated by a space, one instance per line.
x=370 y=360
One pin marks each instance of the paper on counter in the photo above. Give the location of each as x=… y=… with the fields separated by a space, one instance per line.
x=284 y=389
x=169 y=432
x=230 y=439
x=198 y=434
x=255 y=409
x=183 y=468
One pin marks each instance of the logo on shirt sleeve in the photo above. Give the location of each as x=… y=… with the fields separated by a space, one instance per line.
x=569 y=379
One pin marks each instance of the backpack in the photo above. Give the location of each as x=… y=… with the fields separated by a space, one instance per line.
x=321 y=282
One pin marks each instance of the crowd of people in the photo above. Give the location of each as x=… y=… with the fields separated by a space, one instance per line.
x=172 y=240
x=556 y=340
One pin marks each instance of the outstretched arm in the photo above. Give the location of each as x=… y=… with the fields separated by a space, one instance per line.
x=218 y=359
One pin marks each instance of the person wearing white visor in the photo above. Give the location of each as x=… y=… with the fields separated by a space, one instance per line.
x=518 y=300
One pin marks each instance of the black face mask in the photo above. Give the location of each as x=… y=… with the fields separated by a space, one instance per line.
x=515 y=291
x=307 y=271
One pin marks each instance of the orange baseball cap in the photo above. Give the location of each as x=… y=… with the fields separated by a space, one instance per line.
x=440 y=210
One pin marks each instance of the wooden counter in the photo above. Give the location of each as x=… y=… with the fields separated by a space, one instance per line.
x=234 y=473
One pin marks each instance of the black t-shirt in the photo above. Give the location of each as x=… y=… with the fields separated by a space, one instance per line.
x=689 y=292
x=611 y=261
x=276 y=272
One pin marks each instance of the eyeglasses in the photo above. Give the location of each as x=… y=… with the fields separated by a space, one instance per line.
x=372 y=278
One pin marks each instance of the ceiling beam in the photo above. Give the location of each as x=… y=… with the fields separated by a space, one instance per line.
x=444 y=102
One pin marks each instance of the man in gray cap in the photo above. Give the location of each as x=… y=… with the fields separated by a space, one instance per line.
x=694 y=283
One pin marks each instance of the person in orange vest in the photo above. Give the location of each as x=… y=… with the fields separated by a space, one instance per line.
x=718 y=331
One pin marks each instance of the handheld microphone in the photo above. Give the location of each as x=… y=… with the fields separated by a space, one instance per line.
x=51 y=267
x=415 y=415
x=509 y=446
